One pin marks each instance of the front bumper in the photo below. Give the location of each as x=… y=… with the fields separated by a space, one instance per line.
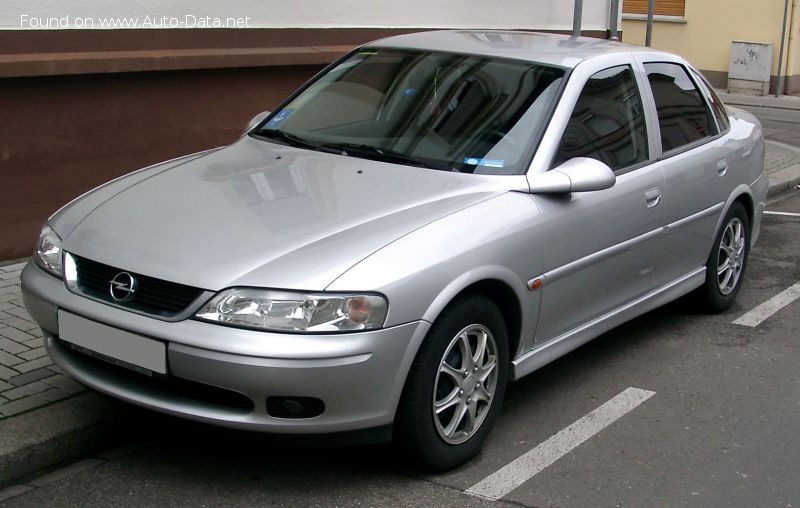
x=358 y=376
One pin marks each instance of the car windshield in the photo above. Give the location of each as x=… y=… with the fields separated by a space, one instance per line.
x=467 y=113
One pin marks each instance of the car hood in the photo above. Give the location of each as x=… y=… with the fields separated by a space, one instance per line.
x=262 y=214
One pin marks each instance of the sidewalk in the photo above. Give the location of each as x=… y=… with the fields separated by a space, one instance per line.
x=46 y=417
x=28 y=378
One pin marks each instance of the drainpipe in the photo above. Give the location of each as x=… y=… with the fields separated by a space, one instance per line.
x=779 y=91
x=577 y=18
x=793 y=31
x=648 y=40
x=614 y=21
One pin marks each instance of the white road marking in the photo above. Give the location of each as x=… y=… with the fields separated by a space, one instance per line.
x=757 y=316
x=525 y=467
x=783 y=214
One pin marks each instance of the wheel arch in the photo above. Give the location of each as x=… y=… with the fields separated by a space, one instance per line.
x=741 y=194
x=499 y=285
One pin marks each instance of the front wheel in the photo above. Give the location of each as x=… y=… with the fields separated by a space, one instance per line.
x=727 y=261
x=455 y=387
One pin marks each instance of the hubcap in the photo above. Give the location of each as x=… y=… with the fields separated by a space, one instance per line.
x=465 y=384
x=730 y=260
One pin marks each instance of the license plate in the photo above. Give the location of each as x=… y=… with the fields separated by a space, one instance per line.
x=112 y=342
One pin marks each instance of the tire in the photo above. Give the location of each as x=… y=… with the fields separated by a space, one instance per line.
x=731 y=244
x=432 y=441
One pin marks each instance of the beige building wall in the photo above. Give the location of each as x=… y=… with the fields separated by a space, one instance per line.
x=705 y=34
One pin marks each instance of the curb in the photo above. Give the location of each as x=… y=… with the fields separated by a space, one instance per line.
x=786 y=102
x=786 y=179
x=60 y=432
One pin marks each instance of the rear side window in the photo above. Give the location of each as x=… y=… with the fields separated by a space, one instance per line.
x=607 y=123
x=720 y=113
x=683 y=115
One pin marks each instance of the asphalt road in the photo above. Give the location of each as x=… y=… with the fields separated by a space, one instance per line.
x=721 y=428
x=779 y=124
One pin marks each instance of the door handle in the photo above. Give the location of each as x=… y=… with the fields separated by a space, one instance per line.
x=652 y=197
x=722 y=167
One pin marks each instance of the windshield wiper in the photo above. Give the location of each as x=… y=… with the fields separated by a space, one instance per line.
x=377 y=153
x=290 y=139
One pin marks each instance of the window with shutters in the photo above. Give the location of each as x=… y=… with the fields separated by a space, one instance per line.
x=662 y=7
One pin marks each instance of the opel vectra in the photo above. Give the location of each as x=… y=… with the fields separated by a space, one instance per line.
x=432 y=216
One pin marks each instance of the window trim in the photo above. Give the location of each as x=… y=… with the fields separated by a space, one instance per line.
x=694 y=144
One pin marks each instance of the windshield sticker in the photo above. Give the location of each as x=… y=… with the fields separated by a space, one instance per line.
x=489 y=163
x=279 y=118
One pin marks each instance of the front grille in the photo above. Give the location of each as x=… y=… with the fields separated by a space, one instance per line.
x=153 y=296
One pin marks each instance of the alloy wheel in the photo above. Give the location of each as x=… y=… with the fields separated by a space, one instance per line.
x=465 y=384
x=730 y=260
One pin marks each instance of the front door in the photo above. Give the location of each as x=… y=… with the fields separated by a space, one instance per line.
x=600 y=249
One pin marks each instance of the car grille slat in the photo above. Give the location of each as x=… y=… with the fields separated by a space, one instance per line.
x=153 y=296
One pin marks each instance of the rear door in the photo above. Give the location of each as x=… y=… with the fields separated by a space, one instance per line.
x=695 y=166
x=600 y=247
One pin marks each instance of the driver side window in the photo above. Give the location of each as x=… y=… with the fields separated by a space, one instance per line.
x=607 y=123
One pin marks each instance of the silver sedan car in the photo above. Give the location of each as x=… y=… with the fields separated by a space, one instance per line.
x=432 y=216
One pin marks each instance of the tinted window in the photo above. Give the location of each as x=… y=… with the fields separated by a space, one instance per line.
x=682 y=113
x=467 y=113
x=607 y=123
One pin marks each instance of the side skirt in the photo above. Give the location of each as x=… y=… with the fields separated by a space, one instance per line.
x=557 y=347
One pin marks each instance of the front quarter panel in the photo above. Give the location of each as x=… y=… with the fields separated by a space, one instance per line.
x=499 y=239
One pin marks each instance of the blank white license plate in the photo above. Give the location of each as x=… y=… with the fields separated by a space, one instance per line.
x=112 y=342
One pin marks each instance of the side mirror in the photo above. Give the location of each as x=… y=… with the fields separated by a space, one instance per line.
x=255 y=121
x=576 y=175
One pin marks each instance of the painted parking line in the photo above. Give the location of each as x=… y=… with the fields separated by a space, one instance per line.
x=758 y=315
x=525 y=467
x=782 y=214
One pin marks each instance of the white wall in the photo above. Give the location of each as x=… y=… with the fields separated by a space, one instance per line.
x=511 y=14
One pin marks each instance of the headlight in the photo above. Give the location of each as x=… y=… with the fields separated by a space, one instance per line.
x=48 y=251
x=285 y=311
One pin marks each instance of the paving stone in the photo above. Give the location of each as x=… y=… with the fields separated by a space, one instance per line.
x=56 y=369
x=3 y=315
x=10 y=275
x=9 y=282
x=53 y=394
x=29 y=377
x=5 y=386
x=65 y=384
x=6 y=373
x=15 y=334
x=10 y=345
x=14 y=268
x=19 y=302
x=8 y=295
x=36 y=332
x=7 y=305
x=34 y=343
x=33 y=364
x=19 y=323
x=10 y=360
x=25 y=390
x=21 y=405
x=20 y=312
x=31 y=355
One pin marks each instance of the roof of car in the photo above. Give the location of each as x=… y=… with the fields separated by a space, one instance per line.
x=544 y=48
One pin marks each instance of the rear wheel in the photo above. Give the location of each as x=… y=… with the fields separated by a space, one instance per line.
x=456 y=386
x=728 y=259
